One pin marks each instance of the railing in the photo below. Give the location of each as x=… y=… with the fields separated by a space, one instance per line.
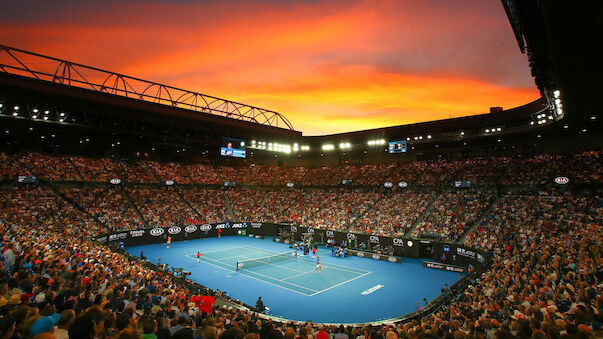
x=41 y=67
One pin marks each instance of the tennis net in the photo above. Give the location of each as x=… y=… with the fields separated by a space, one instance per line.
x=243 y=264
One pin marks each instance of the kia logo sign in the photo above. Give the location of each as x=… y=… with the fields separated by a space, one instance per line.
x=351 y=236
x=561 y=180
x=388 y=184
x=376 y=256
x=392 y=259
x=402 y=184
x=115 y=181
x=290 y=184
x=169 y=182
x=190 y=228
x=205 y=227
x=398 y=242
x=374 y=239
x=156 y=232
x=174 y=230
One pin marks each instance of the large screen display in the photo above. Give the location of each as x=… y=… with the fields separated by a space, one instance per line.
x=233 y=148
x=397 y=146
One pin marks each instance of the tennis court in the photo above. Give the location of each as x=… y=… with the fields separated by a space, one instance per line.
x=343 y=293
x=284 y=270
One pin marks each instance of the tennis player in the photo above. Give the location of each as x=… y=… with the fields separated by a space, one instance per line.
x=198 y=256
x=318 y=267
x=169 y=241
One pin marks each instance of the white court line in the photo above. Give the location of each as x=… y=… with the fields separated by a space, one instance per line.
x=297 y=275
x=224 y=249
x=339 y=267
x=341 y=283
x=267 y=263
x=286 y=282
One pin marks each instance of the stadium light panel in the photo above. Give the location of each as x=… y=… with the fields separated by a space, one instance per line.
x=16 y=108
x=429 y=136
x=34 y=116
x=15 y=114
x=35 y=110
x=556 y=94
x=328 y=147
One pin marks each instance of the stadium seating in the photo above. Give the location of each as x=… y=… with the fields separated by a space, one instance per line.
x=546 y=245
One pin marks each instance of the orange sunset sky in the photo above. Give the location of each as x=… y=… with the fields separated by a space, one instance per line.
x=328 y=66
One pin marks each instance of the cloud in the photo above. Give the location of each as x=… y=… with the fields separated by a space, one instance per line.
x=346 y=64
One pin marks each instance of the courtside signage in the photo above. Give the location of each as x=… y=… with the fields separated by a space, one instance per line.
x=372 y=289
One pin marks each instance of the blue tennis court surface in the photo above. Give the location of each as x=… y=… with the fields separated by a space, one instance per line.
x=293 y=274
x=348 y=290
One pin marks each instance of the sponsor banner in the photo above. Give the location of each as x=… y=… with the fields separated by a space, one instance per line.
x=258 y=236
x=466 y=253
x=402 y=184
x=290 y=184
x=443 y=267
x=102 y=239
x=137 y=233
x=256 y=225
x=205 y=227
x=115 y=181
x=174 y=230
x=398 y=242
x=330 y=234
x=351 y=236
x=375 y=256
x=169 y=182
x=118 y=236
x=156 y=231
x=388 y=184
x=222 y=226
x=239 y=225
x=374 y=239
x=293 y=229
x=310 y=231
x=561 y=180
x=190 y=228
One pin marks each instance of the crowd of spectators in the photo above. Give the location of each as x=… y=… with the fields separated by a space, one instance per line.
x=56 y=283
x=247 y=204
x=208 y=203
x=544 y=280
x=110 y=206
x=393 y=215
x=585 y=167
x=452 y=214
x=162 y=207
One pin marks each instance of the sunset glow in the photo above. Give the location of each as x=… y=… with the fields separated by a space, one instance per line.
x=328 y=66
